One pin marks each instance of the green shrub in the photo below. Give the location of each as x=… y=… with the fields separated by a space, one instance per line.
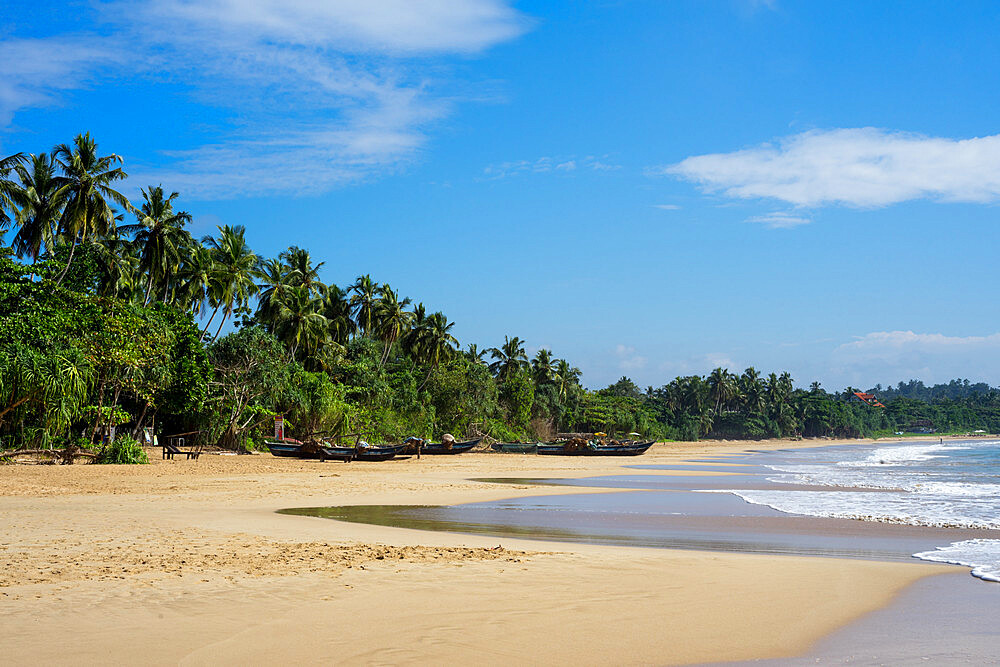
x=124 y=450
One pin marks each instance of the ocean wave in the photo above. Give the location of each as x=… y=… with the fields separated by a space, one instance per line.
x=883 y=507
x=902 y=455
x=983 y=556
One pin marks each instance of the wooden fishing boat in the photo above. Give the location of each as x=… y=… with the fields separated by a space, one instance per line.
x=592 y=448
x=435 y=448
x=558 y=448
x=293 y=449
x=361 y=452
x=446 y=448
x=515 y=447
x=619 y=449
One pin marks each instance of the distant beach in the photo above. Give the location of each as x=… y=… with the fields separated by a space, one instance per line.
x=191 y=557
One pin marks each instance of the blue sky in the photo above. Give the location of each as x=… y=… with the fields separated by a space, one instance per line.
x=647 y=188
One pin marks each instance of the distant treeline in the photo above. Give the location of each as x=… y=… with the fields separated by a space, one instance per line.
x=101 y=300
x=919 y=391
x=749 y=406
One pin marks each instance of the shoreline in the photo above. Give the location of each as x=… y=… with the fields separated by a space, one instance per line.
x=200 y=543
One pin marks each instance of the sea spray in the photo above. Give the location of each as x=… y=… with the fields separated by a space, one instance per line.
x=983 y=556
x=950 y=485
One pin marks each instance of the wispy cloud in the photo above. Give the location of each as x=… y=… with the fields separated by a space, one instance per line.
x=544 y=165
x=398 y=27
x=699 y=364
x=863 y=167
x=880 y=343
x=932 y=357
x=779 y=220
x=628 y=359
x=37 y=71
x=667 y=207
x=320 y=93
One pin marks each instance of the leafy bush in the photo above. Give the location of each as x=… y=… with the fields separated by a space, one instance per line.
x=124 y=450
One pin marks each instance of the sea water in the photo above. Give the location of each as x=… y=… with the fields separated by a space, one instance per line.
x=944 y=484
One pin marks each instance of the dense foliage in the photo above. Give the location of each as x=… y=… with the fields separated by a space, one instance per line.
x=101 y=300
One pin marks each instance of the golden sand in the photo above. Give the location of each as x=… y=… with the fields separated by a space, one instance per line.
x=187 y=562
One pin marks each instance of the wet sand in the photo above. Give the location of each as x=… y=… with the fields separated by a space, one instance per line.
x=188 y=562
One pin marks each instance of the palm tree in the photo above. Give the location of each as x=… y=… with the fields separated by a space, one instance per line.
x=752 y=390
x=543 y=367
x=235 y=267
x=509 y=359
x=438 y=344
x=363 y=302
x=337 y=310
x=118 y=267
x=195 y=277
x=300 y=321
x=7 y=186
x=412 y=339
x=475 y=355
x=89 y=179
x=391 y=319
x=160 y=236
x=301 y=271
x=39 y=203
x=722 y=388
x=566 y=377
x=274 y=282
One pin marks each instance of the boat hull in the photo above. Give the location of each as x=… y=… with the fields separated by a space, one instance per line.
x=515 y=447
x=288 y=450
x=440 y=449
x=558 y=449
x=361 y=453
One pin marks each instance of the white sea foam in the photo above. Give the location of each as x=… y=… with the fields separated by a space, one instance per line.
x=902 y=455
x=983 y=556
x=955 y=485
x=885 y=507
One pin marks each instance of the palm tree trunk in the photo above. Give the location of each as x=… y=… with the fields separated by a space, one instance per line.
x=207 y=326
x=429 y=373
x=69 y=260
x=149 y=289
x=225 y=316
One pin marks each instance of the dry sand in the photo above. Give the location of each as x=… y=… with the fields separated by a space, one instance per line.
x=187 y=562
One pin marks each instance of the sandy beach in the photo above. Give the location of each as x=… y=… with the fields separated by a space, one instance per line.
x=187 y=562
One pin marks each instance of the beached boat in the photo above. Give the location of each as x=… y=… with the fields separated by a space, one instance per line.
x=435 y=448
x=515 y=447
x=293 y=449
x=620 y=449
x=361 y=452
x=448 y=448
x=592 y=448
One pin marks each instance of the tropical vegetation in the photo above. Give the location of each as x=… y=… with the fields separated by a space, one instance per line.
x=112 y=320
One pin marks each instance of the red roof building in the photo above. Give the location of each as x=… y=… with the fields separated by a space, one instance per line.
x=869 y=399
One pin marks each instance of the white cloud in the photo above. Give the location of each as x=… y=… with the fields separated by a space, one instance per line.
x=667 y=207
x=779 y=220
x=902 y=355
x=544 y=165
x=628 y=359
x=863 y=167
x=320 y=92
x=699 y=364
x=882 y=343
x=392 y=26
x=36 y=71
